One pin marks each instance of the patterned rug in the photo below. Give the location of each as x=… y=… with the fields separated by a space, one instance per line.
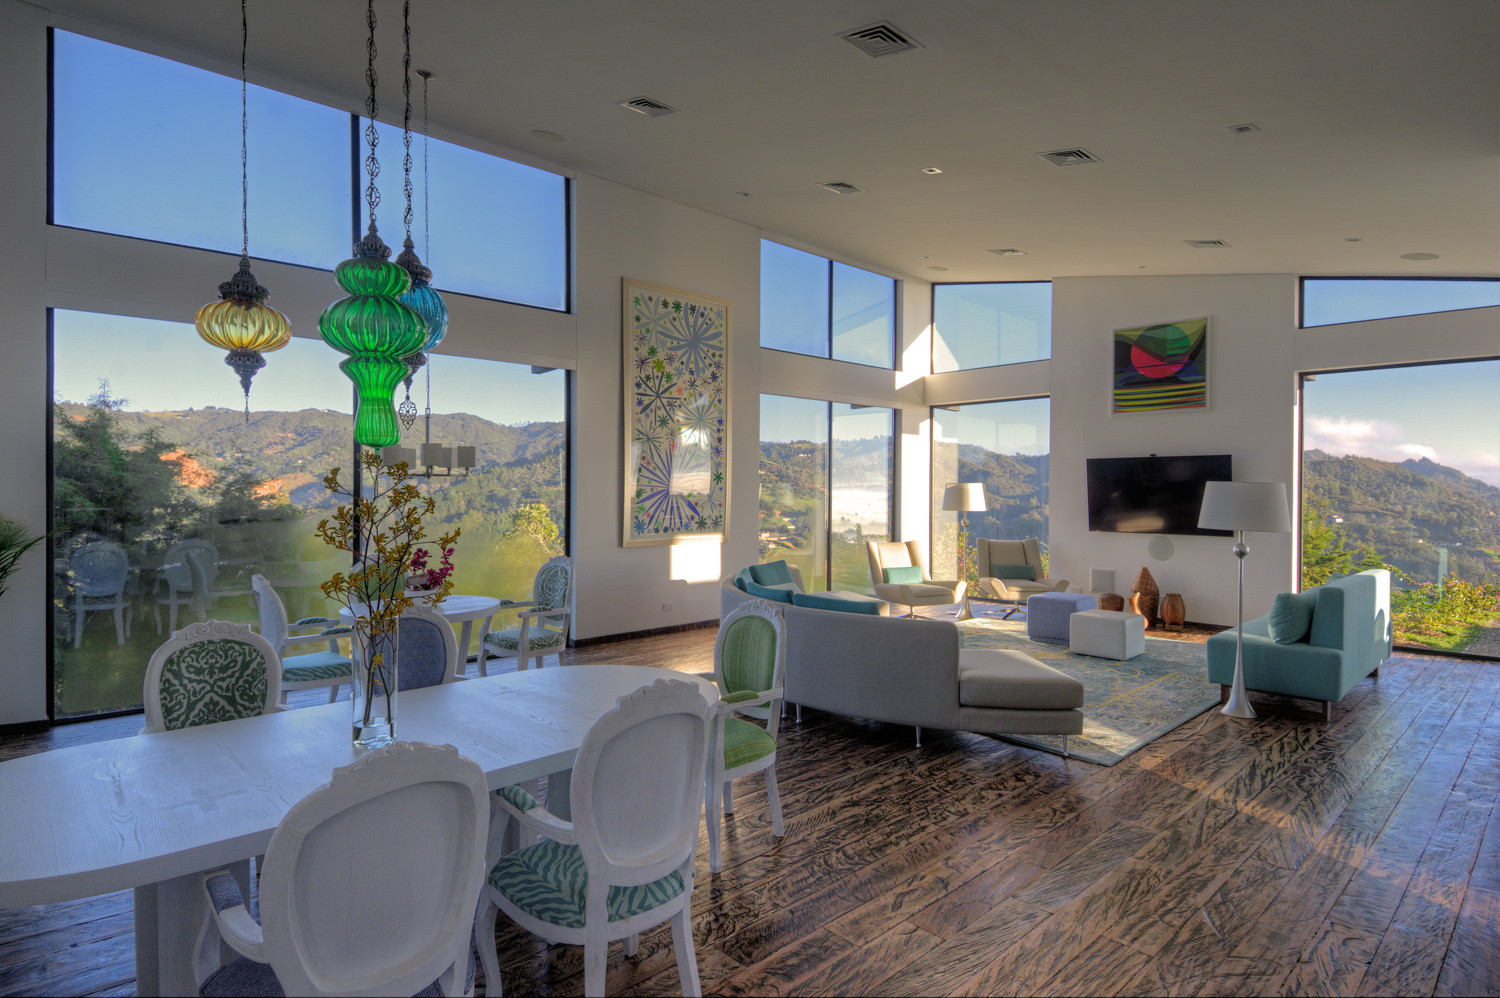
x=1125 y=704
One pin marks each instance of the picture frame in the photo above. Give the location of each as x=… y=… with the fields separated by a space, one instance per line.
x=1160 y=367
x=675 y=381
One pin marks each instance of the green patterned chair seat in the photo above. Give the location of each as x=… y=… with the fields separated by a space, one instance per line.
x=744 y=742
x=319 y=665
x=549 y=882
x=510 y=639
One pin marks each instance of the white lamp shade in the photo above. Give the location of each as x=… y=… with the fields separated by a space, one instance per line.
x=964 y=496
x=1257 y=506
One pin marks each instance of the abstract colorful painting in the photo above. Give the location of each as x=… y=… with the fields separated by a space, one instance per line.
x=1161 y=367
x=676 y=414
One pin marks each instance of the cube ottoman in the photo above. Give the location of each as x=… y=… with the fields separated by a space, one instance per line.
x=1107 y=634
x=1047 y=615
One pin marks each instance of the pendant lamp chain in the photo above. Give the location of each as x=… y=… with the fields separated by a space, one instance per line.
x=241 y=321
x=372 y=112
x=407 y=410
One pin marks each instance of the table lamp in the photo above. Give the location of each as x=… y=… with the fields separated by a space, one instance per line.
x=964 y=497
x=1242 y=506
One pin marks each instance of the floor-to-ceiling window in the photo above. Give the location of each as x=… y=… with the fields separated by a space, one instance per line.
x=1401 y=469
x=147 y=466
x=826 y=487
x=812 y=305
x=1006 y=446
x=990 y=324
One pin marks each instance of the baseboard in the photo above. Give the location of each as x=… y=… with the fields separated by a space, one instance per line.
x=24 y=728
x=605 y=639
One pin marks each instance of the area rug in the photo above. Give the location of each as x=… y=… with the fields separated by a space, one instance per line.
x=1125 y=704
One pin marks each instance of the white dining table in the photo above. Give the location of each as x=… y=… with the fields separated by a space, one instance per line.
x=455 y=609
x=152 y=812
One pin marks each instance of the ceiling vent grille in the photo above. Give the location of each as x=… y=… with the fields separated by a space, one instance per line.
x=876 y=40
x=839 y=187
x=645 y=105
x=1069 y=157
x=1008 y=252
x=1207 y=243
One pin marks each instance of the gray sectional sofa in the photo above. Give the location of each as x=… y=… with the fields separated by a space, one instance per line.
x=911 y=671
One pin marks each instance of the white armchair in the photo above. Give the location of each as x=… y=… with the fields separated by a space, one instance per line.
x=888 y=558
x=1017 y=588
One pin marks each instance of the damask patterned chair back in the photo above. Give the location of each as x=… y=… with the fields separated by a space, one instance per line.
x=553 y=588
x=99 y=568
x=210 y=672
x=427 y=651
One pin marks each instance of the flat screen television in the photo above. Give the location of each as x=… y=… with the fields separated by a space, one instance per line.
x=1153 y=495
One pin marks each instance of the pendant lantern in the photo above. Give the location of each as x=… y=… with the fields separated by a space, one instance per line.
x=371 y=325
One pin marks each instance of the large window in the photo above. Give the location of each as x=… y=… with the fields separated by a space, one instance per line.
x=1330 y=300
x=816 y=306
x=826 y=474
x=159 y=159
x=149 y=463
x=985 y=325
x=1006 y=446
x=1401 y=469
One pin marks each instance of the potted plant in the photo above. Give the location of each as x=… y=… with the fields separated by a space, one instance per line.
x=15 y=541
x=380 y=533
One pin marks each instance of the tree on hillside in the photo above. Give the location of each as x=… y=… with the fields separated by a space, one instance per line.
x=535 y=520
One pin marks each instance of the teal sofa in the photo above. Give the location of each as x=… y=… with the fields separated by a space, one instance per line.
x=1349 y=639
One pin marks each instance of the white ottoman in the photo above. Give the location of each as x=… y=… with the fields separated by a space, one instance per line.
x=1107 y=634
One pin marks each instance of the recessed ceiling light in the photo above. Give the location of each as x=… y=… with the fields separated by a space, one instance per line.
x=1008 y=252
x=1419 y=256
x=545 y=136
x=1242 y=129
x=937 y=268
x=930 y=170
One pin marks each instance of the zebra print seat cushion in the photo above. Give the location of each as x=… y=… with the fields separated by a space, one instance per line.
x=549 y=882
x=310 y=668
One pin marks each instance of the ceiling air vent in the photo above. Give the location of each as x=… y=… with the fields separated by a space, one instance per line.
x=1008 y=252
x=839 y=187
x=645 y=105
x=879 y=39
x=1069 y=157
x=1207 y=243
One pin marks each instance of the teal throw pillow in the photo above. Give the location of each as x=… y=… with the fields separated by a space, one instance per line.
x=827 y=601
x=742 y=580
x=1291 y=616
x=774 y=593
x=1003 y=571
x=772 y=573
x=904 y=576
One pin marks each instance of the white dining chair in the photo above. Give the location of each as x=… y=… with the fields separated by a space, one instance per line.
x=368 y=886
x=543 y=628
x=426 y=650
x=624 y=863
x=309 y=670
x=749 y=665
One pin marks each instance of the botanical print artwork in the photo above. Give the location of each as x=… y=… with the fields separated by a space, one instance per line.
x=676 y=389
x=1161 y=367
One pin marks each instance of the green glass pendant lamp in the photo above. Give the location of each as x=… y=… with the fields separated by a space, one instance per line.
x=372 y=325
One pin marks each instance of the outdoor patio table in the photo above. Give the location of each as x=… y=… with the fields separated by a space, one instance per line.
x=456 y=609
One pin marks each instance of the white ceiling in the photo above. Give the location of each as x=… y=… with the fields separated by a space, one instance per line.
x=1377 y=118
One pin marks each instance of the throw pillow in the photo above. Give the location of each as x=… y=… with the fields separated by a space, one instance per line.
x=827 y=601
x=742 y=579
x=904 y=575
x=778 y=594
x=771 y=573
x=1291 y=616
x=1003 y=571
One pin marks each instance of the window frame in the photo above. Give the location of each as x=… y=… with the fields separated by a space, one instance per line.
x=895 y=313
x=932 y=352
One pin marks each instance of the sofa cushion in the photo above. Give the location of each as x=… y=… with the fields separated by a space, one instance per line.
x=1291 y=616
x=903 y=574
x=930 y=592
x=772 y=573
x=843 y=602
x=1002 y=571
x=780 y=593
x=993 y=678
x=742 y=580
x=1327 y=629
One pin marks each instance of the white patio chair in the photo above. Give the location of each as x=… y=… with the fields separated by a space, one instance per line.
x=309 y=670
x=625 y=861
x=99 y=572
x=543 y=629
x=187 y=571
x=210 y=672
x=368 y=886
x=749 y=663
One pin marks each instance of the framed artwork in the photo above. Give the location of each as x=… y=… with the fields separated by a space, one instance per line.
x=676 y=418
x=1161 y=367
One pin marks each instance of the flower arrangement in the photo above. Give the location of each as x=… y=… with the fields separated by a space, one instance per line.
x=380 y=532
x=430 y=578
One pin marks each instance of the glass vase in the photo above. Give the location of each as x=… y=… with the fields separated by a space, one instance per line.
x=376 y=689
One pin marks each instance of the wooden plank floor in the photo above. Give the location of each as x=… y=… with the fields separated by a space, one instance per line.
x=1276 y=856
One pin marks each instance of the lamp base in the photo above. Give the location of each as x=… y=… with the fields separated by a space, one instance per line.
x=963 y=609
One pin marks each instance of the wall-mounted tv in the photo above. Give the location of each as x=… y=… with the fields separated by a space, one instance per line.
x=1153 y=495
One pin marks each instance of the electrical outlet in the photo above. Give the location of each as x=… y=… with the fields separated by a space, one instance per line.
x=666 y=608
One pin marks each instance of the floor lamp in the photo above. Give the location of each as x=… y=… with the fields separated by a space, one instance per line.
x=1242 y=506
x=964 y=497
